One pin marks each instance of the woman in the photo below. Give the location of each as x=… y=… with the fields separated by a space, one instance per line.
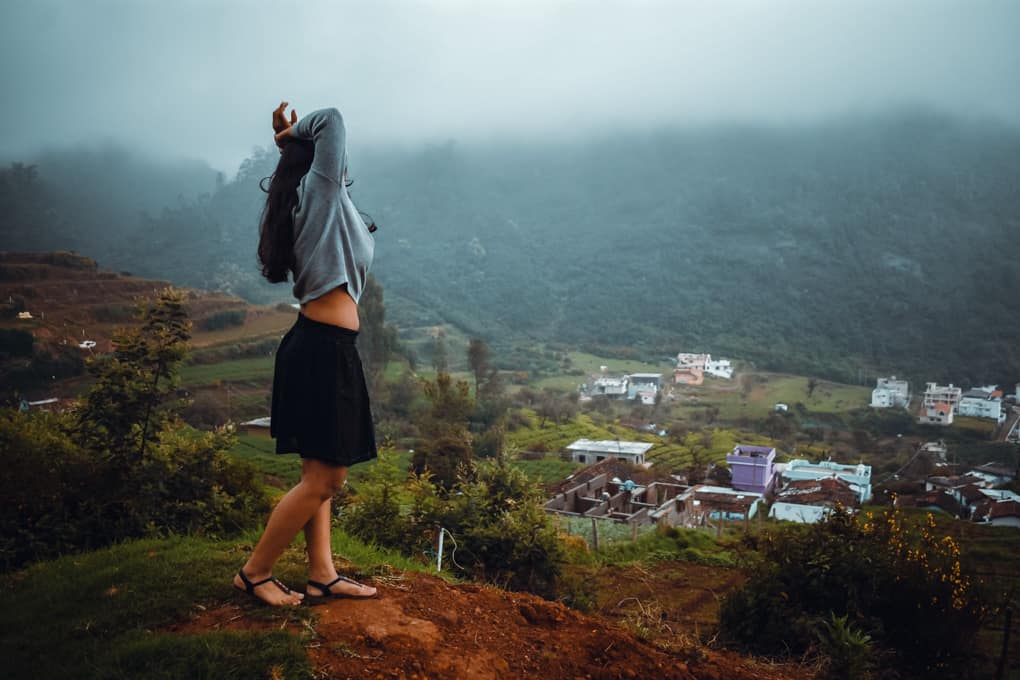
x=320 y=406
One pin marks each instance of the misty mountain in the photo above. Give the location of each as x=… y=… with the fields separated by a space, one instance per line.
x=88 y=199
x=858 y=246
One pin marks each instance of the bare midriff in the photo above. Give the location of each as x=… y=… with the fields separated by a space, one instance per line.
x=336 y=307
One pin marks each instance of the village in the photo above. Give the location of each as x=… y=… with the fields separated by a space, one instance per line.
x=618 y=485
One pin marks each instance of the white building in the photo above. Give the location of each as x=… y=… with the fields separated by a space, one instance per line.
x=720 y=502
x=803 y=514
x=936 y=450
x=942 y=394
x=983 y=402
x=937 y=414
x=720 y=368
x=890 y=392
x=588 y=451
x=610 y=387
x=857 y=476
x=688 y=360
x=644 y=386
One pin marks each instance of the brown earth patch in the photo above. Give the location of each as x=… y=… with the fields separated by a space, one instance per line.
x=685 y=594
x=421 y=627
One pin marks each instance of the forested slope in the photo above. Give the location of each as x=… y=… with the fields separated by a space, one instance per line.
x=850 y=248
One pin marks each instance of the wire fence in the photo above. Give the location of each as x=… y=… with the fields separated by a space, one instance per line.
x=608 y=530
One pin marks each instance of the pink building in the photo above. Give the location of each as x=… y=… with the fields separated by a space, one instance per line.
x=753 y=467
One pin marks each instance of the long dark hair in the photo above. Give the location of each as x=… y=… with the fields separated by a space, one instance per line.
x=276 y=225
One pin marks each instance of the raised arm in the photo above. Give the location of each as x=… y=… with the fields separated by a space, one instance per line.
x=325 y=127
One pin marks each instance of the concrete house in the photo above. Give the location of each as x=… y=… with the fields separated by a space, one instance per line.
x=890 y=392
x=610 y=387
x=857 y=476
x=588 y=451
x=688 y=375
x=939 y=413
x=603 y=497
x=259 y=426
x=998 y=513
x=753 y=468
x=720 y=368
x=941 y=394
x=809 y=500
x=982 y=403
x=698 y=364
x=995 y=473
x=689 y=360
x=719 y=502
x=644 y=386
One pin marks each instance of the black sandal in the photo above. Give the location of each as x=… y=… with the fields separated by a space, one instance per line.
x=328 y=593
x=250 y=587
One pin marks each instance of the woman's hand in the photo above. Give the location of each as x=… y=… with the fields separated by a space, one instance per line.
x=280 y=125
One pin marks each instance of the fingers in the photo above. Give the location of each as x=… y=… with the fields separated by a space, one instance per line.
x=293 y=116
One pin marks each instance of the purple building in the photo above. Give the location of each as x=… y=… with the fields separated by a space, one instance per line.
x=753 y=467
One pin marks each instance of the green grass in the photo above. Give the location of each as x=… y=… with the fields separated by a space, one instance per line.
x=590 y=363
x=257 y=368
x=103 y=614
x=554 y=436
x=768 y=389
x=654 y=544
x=547 y=470
x=983 y=427
x=99 y=609
x=284 y=471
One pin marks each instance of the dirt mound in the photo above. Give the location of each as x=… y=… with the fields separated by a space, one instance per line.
x=421 y=627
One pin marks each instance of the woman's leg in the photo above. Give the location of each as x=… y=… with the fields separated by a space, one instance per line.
x=320 y=556
x=319 y=481
x=317 y=540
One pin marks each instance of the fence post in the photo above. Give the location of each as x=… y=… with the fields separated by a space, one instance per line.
x=633 y=531
x=595 y=534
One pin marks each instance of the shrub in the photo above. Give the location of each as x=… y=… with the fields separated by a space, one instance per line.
x=123 y=465
x=61 y=497
x=224 y=318
x=113 y=312
x=501 y=531
x=905 y=588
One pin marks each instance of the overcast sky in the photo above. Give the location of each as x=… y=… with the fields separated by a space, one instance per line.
x=199 y=78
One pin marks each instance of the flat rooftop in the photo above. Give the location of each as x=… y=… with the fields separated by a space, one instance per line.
x=610 y=446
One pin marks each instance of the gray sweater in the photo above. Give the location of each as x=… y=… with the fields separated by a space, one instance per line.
x=332 y=244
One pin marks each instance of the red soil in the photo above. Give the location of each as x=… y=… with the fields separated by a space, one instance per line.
x=421 y=627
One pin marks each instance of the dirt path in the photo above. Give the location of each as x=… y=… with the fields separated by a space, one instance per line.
x=421 y=628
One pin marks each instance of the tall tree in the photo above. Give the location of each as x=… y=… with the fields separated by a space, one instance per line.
x=440 y=361
x=478 y=360
x=376 y=342
x=121 y=413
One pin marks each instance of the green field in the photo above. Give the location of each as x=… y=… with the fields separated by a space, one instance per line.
x=754 y=395
x=589 y=364
x=258 y=368
x=284 y=471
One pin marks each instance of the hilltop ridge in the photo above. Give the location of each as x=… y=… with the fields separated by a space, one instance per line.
x=422 y=627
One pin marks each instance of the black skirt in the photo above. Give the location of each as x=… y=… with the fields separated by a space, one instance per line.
x=320 y=405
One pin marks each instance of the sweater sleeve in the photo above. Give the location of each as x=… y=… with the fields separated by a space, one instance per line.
x=325 y=127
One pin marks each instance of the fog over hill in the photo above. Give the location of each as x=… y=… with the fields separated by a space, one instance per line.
x=851 y=247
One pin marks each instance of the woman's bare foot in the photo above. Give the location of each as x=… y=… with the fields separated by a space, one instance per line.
x=344 y=587
x=269 y=592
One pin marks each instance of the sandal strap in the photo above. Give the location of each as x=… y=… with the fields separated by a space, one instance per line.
x=327 y=588
x=250 y=586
